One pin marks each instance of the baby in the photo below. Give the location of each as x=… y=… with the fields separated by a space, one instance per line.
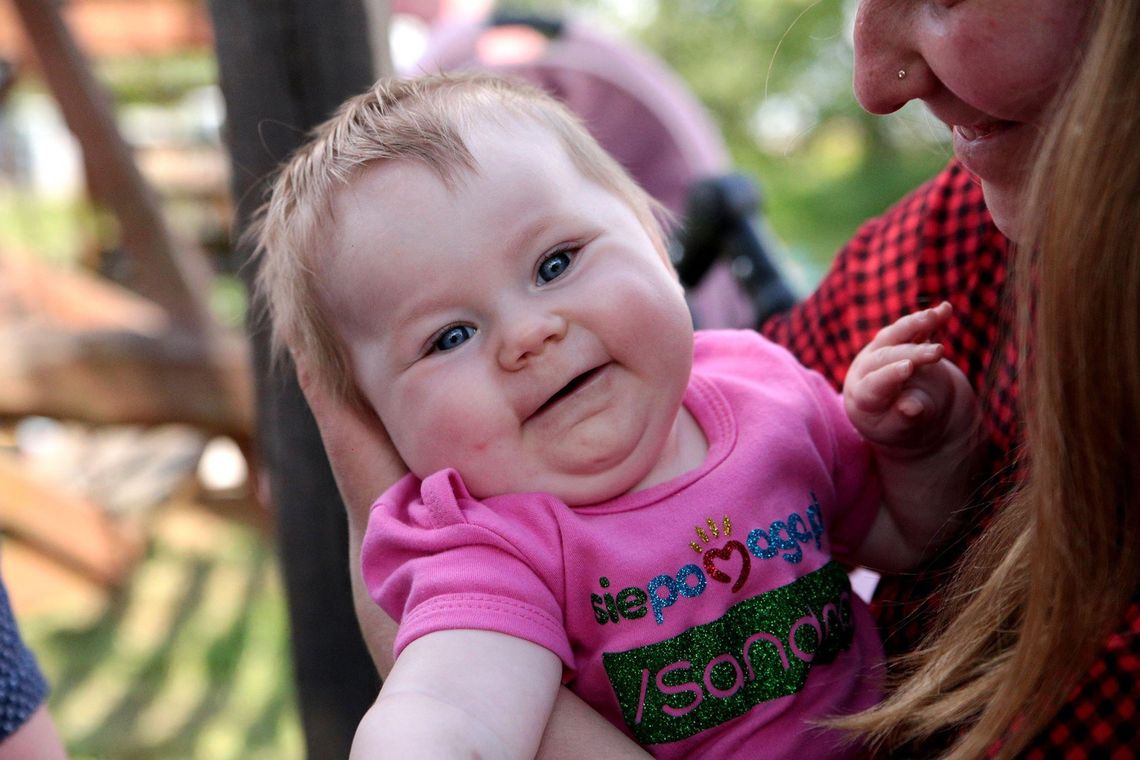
x=598 y=497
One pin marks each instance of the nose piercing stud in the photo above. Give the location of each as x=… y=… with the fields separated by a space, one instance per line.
x=902 y=74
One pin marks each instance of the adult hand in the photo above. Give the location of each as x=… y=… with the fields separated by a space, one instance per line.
x=37 y=739
x=364 y=463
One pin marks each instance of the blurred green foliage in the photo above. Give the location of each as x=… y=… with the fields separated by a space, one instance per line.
x=156 y=79
x=754 y=60
x=51 y=229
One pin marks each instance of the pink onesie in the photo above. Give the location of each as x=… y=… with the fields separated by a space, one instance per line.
x=703 y=616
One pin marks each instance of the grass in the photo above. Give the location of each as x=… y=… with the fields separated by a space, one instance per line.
x=189 y=660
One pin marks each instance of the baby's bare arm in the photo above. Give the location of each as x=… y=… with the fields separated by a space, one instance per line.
x=462 y=694
x=920 y=416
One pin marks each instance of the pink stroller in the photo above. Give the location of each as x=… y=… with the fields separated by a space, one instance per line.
x=645 y=116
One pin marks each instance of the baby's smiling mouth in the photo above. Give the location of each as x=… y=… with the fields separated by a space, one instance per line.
x=574 y=384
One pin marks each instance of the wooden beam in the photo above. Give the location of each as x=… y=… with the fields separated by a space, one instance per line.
x=76 y=346
x=125 y=377
x=170 y=274
x=72 y=531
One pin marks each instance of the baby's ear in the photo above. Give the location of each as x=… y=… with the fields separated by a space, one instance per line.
x=676 y=278
x=666 y=255
x=661 y=221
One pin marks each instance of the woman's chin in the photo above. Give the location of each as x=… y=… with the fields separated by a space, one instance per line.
x=1005 y=206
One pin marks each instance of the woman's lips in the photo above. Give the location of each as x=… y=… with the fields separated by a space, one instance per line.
x=980 y=130
x=993 y=150
x=977 y=131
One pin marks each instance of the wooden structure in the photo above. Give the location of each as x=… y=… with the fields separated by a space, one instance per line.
x=73 y=346
x=120 y=27
x=285 y=65
x=179 y=366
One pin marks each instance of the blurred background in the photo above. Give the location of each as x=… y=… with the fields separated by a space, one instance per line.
x=142 y=565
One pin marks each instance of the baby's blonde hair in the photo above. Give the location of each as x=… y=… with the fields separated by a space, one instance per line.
x=423 y=120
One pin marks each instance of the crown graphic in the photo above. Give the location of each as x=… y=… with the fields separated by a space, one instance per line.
x=725 y=529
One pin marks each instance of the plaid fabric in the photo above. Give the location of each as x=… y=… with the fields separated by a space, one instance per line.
x=939 y=243
x=1101 y=717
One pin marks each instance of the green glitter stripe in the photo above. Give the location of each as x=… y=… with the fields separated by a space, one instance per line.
x=739 y=680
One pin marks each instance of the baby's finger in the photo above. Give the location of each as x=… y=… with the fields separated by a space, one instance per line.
x=879 y=389
x=910 y=404
x=914 y=327
x=919 y=353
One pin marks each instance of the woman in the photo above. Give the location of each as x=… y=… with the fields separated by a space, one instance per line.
x=1038 y=652
x=1037 y=91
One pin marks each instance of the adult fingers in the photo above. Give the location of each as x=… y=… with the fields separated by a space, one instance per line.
x=363 y=460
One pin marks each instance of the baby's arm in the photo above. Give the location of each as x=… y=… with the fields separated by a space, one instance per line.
x=920 y=416
x=462 y=694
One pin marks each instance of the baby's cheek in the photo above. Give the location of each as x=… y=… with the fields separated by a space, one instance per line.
x=421 y=437
x=486 y=469
x=442 y=443
x=466 y=442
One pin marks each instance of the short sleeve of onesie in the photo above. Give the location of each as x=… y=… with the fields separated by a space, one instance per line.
x=434 y=558
x=852 y=469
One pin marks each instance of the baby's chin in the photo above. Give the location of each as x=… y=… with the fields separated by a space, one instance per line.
x=575 y=497
x=571 y=490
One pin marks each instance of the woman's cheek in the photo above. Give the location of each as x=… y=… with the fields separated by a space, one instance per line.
x=1008 y=63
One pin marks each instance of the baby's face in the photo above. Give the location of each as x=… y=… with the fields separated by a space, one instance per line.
x=520 y=326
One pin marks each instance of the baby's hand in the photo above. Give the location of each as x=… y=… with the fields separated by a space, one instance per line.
x=900 y=393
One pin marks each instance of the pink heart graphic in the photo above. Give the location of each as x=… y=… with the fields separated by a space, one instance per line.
x=725 y=552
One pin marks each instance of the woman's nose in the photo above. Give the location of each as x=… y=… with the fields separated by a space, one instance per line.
x=889 y=71
x=527 y=336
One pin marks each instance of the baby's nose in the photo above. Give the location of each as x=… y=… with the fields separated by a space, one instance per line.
x=528 y=336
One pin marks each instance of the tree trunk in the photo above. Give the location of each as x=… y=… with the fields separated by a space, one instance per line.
x=285 y=66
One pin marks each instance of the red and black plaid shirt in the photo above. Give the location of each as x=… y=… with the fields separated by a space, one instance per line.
x=940 y=244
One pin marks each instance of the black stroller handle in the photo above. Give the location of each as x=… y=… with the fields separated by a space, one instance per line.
x=549 y=27
x=721 y=219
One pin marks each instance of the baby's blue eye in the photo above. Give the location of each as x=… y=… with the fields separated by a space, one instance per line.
x=453 y=337
x=554 y=266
